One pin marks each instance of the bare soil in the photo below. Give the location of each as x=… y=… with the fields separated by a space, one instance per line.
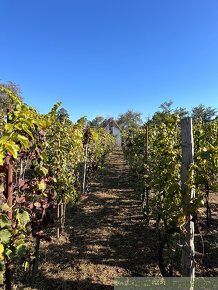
x=106 y=237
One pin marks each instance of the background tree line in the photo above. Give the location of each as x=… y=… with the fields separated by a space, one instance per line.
x=131 y=119
x=125 y=120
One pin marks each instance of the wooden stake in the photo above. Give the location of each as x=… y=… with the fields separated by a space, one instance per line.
x=58 y=207
x=36 y=260
x=147 y=190
x=84 y=171
x=147 y=142
x=58 y=220
x=188 y=261
x=62 y=216
x=9 y=196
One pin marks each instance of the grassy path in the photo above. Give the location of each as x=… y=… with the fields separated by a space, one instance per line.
x=104 y=238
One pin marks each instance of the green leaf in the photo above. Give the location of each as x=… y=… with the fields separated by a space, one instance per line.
x=21 y=249
x=22 y=236
x=4 y=206
x=30 y=122
x=4 y=139
x=13 y=148
x=42 y=185
x=44 y=157
x=9 y=127
x=40 y=145
x=26 y=265
x=26 y=129
x=23 y=140
x=41 y=170
x=37 y=204
x=4 y=221
x=1 y=158
x=18 y=126
x=5 y=236
x=25 y=217
x=1 y=277
x=9 y=253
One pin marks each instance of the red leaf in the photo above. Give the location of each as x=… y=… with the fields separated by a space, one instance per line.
x=20 y=199
x=24 y=187
x=45 y=205
x=84 y=197
x=21 y=182
x=31 y=205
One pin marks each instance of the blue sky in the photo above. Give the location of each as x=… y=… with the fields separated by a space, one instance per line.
x=103 y=57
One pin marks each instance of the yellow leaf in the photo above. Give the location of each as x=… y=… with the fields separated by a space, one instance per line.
x=1 y=249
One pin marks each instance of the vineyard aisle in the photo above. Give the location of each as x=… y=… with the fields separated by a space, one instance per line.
x=104 y=238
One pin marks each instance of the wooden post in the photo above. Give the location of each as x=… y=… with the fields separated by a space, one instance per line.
x=84 y=170
x=36 y=260
x=146 y=141
x=145 y=198
x=58 y=220
x=147 y=190
x=9 y=185
x=9 y=196
x=2 y=182
x=188 y=253
x=62 y=216
x=58 y=206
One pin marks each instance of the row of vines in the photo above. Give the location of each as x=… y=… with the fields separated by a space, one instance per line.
x=155 y=158
x=45 y=164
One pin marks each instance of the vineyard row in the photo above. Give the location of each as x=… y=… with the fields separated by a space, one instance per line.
x=175 y=167
x=45 y=163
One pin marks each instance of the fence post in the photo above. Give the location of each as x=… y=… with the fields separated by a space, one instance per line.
x=84 y=169
x=147 y=190
x=145 y=196
x=58 y=204
x=9 y=196
x=147 y=142
x=188 y=253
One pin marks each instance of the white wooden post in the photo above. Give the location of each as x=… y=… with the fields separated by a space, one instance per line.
x=188 y=261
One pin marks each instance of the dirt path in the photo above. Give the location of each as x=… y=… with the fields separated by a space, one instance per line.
x=104 y=238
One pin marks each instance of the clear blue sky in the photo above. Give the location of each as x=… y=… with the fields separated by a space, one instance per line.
x=103 y=57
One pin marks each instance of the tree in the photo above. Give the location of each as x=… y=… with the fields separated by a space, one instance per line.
x=6 y=102
x=160 y=116
x=97 y=122
x=182 y=112
x=166 y=107
x=130 y=119
x=206 y=114
x=167 y=110
x=61 y=114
